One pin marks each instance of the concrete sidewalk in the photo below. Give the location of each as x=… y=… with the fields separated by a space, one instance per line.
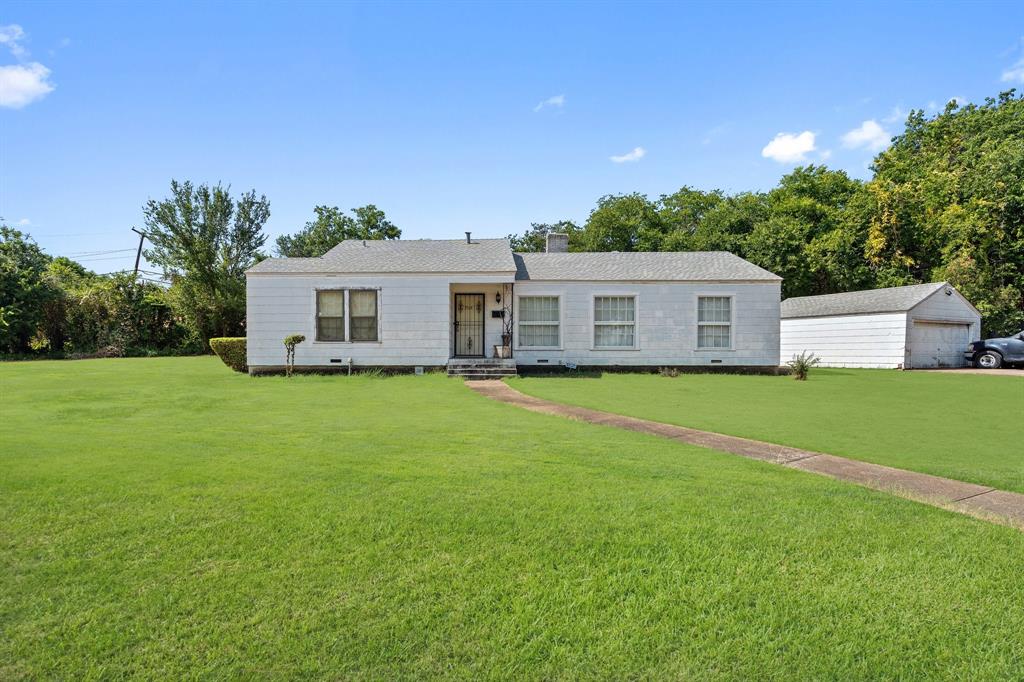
x=980 y=501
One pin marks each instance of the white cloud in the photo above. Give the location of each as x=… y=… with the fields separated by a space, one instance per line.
x=1014 y=74
x=557 y=101
x=825 y=154
x=24 y=222
x=11 y=37
x=715 y=133
x=635 y=155
x=897 y=115
x=789 y=147
x=869 y=135
x=22 y=84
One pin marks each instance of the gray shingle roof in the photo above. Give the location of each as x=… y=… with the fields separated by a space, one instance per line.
x=495 y=256
x=892 y=300
x=661 y=266
x=401 y=255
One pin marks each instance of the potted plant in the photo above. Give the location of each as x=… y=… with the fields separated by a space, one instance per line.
x=505 y=349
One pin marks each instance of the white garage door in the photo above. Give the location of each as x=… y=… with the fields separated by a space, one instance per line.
x=935 y=344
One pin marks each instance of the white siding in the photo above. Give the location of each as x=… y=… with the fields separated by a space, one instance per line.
x=666 y=324
x=414 y=314
x=416 y=321
x=872 y=340
x=941 y=328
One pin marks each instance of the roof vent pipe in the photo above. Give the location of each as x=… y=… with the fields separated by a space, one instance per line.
x=468 y=239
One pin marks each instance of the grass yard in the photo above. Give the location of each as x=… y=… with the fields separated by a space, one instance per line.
x=967 y=427
x=167 y=518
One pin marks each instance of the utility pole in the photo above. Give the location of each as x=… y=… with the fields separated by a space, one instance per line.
x=138 y=254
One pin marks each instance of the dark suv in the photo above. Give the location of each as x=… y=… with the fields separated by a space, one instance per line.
x=994 y=353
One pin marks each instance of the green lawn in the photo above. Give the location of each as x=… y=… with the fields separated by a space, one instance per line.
x=967 y=427
x=166 y=518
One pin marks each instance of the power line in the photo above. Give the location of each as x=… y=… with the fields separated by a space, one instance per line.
x=92 y=260
x=99 y=253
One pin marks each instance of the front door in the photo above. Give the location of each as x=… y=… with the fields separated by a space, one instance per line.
x=469 y=325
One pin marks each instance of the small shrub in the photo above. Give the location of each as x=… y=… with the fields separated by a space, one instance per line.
x=670 y=372
x=290 y=342
x=232 y=351
x=801 y=365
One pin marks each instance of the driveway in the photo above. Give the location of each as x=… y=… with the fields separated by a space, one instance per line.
x=973 y=370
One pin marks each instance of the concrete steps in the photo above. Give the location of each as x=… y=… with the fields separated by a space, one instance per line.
x=481 y=368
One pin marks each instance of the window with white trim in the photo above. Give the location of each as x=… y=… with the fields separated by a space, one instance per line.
x=714 y=322
x=362 y=311
x=347 y=315
x=614 y=321
x=538 y=322
x=330 y=315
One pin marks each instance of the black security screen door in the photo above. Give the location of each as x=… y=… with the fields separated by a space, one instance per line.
x=469 y=325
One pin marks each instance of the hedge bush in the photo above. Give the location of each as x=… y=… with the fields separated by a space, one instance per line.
x=232 y=351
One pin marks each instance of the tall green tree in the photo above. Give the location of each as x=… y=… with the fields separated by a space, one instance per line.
x=24 y=290
x=534 y=240
x=624 y=222
x=683 y=213
x=805 y=236
x=331 y=226
x=204 y=240
x=949 y=204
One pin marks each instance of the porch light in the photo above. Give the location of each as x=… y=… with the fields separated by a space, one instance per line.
x=497 y=297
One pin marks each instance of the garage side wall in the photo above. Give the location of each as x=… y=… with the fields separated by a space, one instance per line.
x=869 y=341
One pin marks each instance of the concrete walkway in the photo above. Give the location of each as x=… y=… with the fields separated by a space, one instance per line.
x=980 y=501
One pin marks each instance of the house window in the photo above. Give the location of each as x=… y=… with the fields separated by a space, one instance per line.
x=614 y=321
x=714 y=322
x=362 y=310
x=330 y=315
x=538 y=322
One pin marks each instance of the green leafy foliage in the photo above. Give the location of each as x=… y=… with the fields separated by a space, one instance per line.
x=232 y=351
x=290 y=342
x=332 y=226
x=801 y=365
x=946 y=203
x=57 y=307
x=205 y=241
x=24 y=292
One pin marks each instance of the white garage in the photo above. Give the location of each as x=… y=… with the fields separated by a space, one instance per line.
x=916 y=327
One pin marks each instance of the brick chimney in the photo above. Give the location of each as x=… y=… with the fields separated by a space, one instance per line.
x=556 y=243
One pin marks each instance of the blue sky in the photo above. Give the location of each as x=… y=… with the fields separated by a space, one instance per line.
x=455 y=117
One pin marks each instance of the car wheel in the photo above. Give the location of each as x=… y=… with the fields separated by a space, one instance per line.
x=989 y=360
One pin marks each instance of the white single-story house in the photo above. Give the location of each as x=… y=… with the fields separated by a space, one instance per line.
x=436 y=303
x=912 y=327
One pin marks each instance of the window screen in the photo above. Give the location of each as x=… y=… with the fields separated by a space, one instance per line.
x=538 y=321
x=614 y=321
x=362 y=306
x=330 y=315
x=714 y=322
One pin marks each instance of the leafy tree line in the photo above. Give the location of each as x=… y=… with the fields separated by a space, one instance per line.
x=201 y=237
x=55 y=306
x=946 y=202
